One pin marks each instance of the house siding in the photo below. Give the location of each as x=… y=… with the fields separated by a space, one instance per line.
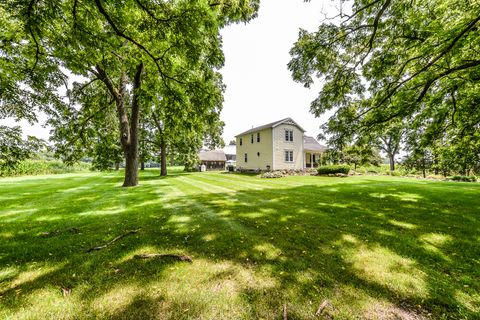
x=280 y=145
x=264 y=147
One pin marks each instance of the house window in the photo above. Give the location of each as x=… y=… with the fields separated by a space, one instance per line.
x=240 y=141
x=251 y=139
x=246 y=157
x=258 y=136
x=258 y=154
x=288 y=156
x=289 y=135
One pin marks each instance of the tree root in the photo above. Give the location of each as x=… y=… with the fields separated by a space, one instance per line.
x=112 y=241
x=59 y=231
x=163 y=255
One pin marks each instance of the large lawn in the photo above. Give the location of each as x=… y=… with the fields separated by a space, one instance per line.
x=375 y=247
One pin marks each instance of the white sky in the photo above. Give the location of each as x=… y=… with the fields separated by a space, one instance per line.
x=259 y=86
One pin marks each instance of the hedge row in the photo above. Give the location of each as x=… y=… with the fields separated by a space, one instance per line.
x=464 y=178
x=39 y=167
x=333 y=169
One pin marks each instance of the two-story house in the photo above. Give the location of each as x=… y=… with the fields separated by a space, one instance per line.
x=279 y=145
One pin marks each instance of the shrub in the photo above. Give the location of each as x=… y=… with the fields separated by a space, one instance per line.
x=333 y=169
x=38 y=167
x=272 y=174
x=464 y=178
x=394 y=173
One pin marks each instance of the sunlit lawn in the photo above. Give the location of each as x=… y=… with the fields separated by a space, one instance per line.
x=375 y=247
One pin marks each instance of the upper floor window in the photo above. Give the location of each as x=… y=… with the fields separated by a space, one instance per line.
x=288 y=135
x=258 y=136
x=246 y=157
x=288 y=156
x=251 y=139
x=240 y=141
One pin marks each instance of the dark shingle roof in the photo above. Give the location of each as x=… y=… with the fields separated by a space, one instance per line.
x=270 y=125
x=212 y=155
x=309 y=143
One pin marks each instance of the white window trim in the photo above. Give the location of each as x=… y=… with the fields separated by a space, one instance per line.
x=288 y=130
x=289 y=161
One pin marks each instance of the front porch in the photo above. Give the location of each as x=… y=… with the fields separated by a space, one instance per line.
x=311 y=159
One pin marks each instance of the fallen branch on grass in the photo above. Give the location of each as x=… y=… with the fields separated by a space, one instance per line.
x=59 y=231
x=322 y=307
x=163 y=255
x=112 y=241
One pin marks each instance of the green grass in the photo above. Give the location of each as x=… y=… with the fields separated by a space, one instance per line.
x=375 y=247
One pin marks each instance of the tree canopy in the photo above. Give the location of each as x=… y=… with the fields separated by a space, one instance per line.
x=141 y=52
x=416 y=62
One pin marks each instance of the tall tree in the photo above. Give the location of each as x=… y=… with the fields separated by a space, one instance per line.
x=137 y=49
x=395 y=60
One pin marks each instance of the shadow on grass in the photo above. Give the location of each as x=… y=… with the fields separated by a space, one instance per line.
x=371 y=247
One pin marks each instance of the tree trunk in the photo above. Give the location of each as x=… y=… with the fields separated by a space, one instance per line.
x=131 y=168
x=117 y=166
x=131 y=154
x=423 y=168
x=142 y=165
x=128 y=131
x=163 y=153
x=391 y=157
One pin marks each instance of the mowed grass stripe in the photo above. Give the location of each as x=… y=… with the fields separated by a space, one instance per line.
x=205 y=186
x=227 y=182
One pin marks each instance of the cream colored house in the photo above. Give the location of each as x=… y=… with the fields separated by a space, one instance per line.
x=280 y=145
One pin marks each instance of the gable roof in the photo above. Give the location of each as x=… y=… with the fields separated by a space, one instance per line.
x=309 y=143
x=212 y=155
x=272 y=125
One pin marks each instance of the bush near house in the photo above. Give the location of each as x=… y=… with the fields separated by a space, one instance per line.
x=333 y=169
x=464 y=178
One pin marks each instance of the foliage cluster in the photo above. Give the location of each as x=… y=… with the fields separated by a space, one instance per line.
x=147 y=70
x=398 y=71
x=464 y=178
x=41 y=167
x=14 y=149
x=333 y=169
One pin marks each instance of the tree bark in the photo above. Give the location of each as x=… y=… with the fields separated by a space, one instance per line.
x=423 y=168
x=117 y=166
x=163 y=147
x=128 y=131
x=142 y=165
x=131 y=154
x=391 y=157
x=163 y=153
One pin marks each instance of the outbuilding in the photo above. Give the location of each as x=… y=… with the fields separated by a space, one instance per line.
x=213 y=159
